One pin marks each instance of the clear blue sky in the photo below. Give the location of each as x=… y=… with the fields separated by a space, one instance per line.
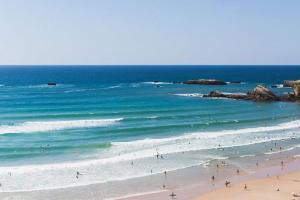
x=149 y=32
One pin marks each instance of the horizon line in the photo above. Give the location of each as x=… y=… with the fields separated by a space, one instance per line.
x=142 y=65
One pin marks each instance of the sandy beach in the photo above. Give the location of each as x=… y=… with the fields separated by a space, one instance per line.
x=275 y=187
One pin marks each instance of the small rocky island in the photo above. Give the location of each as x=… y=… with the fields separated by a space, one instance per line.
x=51 y=84
x=210 y=82
x=261 y=93
x=205 y=82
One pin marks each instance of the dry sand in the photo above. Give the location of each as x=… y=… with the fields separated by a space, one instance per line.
x=265 y=189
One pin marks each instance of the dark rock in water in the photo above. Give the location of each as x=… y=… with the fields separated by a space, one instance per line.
x=261 y=93
x=51 y=84
x=205 y=82
x=218 y=94
x=274 y=86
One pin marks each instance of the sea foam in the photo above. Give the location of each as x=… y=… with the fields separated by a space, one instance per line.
x=44 y=126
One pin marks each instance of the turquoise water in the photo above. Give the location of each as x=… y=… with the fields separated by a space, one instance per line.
x=100 y=119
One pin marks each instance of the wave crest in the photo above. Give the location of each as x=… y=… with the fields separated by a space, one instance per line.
x=44 y=126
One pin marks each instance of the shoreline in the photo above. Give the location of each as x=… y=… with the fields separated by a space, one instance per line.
x=187 y=183
x=199 y=191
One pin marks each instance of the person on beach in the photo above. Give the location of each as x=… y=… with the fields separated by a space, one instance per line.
x=281 y=164
x=245 y=187
x=227 y=183
x=165 y=173
x=295 y=195
x=213 y=178
x=238 y=171
x=256 y=164
x=172 y=195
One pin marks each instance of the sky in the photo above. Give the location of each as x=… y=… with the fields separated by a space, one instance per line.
x=149 y=32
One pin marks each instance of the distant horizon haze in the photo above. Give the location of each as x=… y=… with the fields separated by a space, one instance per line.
x=134 y=32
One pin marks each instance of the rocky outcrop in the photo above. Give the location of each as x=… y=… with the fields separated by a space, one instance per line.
x=261 y=93
x=296 y=89
x=289 y=83
x=217 y=94
x=205 y=82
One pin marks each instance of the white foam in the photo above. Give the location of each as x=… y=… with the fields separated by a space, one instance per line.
x=279 y=85
x=211 y=134
x=234 y=93
x=190 y=95
x=135 y=195
x=44 y=126
x=107 y=166
x=245 y=156
x=152 y=117
x=279 y=151
x=114 y=86
x=157 y=83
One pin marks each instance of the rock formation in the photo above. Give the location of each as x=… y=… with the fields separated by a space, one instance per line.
x=289 y=83
x=222 y=95
x=296 y=89
x=205 y=82
x=261 y=93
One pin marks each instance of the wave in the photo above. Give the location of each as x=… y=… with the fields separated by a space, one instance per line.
x=246 y=156
x=190 y=95
x=280 y=151
x=152 y=117
x=114 y=86
x=236 y=93
x=121 y=153
x=211 y=134
x=46 y=86
x=44 y=126
x=157 y=83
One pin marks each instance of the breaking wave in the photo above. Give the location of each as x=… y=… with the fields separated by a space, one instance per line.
x=44 y=126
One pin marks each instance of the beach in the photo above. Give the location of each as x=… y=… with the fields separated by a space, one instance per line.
x=276 y=187
x=192 y=183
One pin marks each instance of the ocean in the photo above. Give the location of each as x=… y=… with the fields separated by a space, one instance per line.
x=110 y=122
